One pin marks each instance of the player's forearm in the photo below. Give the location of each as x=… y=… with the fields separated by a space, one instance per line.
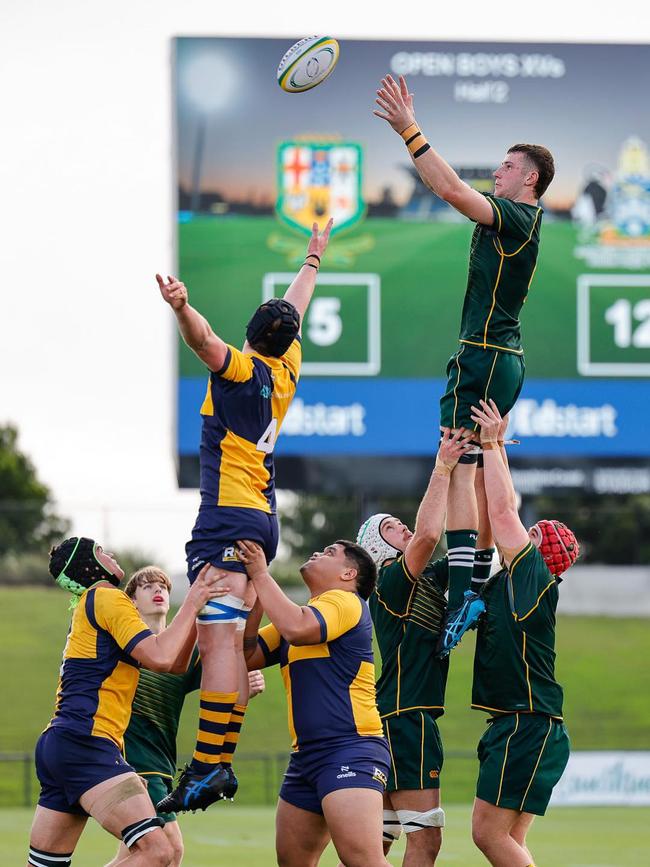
x=175 y=643
x=438 y=175
x=431 y=513
x=301 y=289
x=499 y=490
x=287 y=617
x=252 y=629
x=182 y=661
x=195 y=328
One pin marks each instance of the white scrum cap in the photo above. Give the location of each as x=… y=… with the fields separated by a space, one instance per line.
x=370 y=538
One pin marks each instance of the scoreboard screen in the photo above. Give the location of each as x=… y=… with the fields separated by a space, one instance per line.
x=255 y=166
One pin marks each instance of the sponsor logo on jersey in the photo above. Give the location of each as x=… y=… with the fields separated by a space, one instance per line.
x=266 y=391
x=380 y=776
x=229 y=555
x=434 y=774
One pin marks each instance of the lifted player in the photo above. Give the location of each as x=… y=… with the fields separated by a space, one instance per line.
x=150 y=739
x=407 y=607
x=489 y=362
x=526 y=747
x=79 y=760
x=247 y=398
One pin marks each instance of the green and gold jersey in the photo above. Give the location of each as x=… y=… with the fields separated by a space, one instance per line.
x=407 y=615
x=150 y=739
x=502 y=261
x=514 y=662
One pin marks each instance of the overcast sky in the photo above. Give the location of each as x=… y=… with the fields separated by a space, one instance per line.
x=86 y=346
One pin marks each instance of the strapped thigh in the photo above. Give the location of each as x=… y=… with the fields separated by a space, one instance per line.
x=414 y=821
x=226 y=609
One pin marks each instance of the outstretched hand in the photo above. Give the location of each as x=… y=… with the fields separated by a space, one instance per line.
x=489 y=418
x=174 y=292
x=396 y=103
x=318 y=243
x=252 y=556
x=453 y=446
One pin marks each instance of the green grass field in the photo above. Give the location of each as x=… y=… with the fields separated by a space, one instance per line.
x=567 y=837
x=423 y=269
x=602 y=664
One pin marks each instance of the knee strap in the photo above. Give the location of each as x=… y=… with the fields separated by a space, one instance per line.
x=226 y=609
x=39 y=858
x=412 y=821
x=132 y=833
x=392 y=826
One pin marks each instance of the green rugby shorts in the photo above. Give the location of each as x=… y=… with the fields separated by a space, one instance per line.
x=474 y=374
x=522 y=757
x=158 y=788
x=416 y=754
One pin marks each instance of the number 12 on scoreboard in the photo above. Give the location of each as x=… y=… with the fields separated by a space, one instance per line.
x=613 y=325
x=341 y=331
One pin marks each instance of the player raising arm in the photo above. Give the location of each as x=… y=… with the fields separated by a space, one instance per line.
x=79 y=760
x=338 y=768
x=407 y=608
x=489 y=361
x=247 y=398
x=526 y=747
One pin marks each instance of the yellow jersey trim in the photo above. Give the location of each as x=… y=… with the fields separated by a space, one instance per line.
x=419 y=707
x=519 y=249
x=505 y=711
x=539 y=758
x=492 y=346
x=457 y=384
x=505 y=758
x=422 y=751
x=494 y=294
x=523 y=654
x=550 y=584
x=390 y=749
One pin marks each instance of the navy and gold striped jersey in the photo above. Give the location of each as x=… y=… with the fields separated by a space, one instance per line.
x=502 y=262
x=98 y=677
x=514 y=662
x=330 y=686
x=245 y=404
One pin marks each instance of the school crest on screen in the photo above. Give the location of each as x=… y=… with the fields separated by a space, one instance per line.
x=318 y=180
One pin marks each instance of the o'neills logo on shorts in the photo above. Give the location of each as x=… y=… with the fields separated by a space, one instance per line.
x=345 y=772
x=379 y=776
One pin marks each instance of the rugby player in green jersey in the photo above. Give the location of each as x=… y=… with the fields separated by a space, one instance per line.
x=150 y=739
x=526 y=746
x=407 y=608
x=489 y=362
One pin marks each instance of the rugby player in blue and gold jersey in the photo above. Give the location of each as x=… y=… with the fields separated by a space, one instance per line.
x=247 y=398
x=338 y=770
x=79 y=759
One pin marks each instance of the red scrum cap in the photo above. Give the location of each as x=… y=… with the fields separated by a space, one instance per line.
x=559 y=547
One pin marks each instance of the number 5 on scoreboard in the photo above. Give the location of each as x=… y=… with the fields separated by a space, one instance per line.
x=266 y=442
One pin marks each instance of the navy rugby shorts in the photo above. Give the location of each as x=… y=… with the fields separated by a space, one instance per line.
x=314 y=772
x=217 y=531
x=69 y=764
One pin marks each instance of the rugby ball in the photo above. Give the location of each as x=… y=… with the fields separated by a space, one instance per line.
x=307 y=63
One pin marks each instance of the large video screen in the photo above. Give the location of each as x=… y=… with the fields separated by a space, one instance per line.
x=256 y=165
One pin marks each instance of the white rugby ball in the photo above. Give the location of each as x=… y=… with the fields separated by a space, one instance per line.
x=307 y=63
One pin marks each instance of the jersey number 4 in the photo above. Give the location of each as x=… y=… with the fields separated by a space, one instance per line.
x=266 y=442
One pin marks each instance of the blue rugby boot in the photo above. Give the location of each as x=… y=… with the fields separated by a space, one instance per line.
x=458 y=621
x=196 y=791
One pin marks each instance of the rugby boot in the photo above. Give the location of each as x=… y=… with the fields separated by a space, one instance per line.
x=196 y=791
x=233 y=783
x=458 y=621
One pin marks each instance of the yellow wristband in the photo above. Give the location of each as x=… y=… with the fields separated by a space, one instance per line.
x=415 y=140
